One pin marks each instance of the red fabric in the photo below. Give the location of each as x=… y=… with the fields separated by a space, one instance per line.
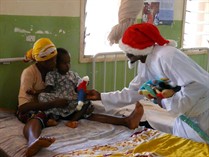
x=82 y=85
x=160 y=95
x=143 y=35
x=33 y=114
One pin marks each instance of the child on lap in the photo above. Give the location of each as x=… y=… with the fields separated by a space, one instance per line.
x=62 y=83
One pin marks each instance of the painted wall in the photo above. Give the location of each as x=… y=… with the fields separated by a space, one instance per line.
x=59 y=21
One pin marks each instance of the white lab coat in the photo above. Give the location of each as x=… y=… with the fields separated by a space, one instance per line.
x=169 y=62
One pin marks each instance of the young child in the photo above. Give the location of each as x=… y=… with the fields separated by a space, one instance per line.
x=62 y=83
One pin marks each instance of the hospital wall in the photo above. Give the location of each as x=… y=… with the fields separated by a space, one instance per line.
x=21 y=21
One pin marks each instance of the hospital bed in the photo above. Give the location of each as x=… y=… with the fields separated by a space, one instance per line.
x=99 y=139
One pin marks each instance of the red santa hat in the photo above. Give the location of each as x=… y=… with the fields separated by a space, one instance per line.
x=139 y=39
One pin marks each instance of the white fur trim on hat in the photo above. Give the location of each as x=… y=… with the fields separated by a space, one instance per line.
x=134 y=51
x=172 y=43
x=127 y=49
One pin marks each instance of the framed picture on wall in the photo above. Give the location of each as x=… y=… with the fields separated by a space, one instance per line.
x=158 y=12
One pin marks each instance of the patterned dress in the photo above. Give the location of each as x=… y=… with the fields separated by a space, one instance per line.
x=63 y=87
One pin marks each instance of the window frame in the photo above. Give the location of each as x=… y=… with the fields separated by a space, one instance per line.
x=82 y=57
x=183 y=45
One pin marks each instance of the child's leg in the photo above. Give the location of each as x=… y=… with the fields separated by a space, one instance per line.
x=88 y=112
x=79 y=114
x=85 y=112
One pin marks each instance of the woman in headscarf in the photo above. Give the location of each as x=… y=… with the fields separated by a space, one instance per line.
x=30 y=111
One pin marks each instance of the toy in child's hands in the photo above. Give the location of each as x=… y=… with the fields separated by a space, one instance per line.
x=162 y=88
x=81 y=90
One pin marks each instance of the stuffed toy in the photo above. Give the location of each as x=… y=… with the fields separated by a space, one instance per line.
x=81 y=90
x=161 y=88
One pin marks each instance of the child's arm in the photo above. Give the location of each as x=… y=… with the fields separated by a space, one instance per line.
x=48 y=89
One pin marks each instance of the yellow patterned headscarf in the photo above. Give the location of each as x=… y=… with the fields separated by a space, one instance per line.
x=43 y=49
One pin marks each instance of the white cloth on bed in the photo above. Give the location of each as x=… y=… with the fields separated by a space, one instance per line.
x=168 y=62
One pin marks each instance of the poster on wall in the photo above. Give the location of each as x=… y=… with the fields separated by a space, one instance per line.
x=158 y=12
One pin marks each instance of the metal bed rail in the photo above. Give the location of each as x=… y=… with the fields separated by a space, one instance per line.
x=9 y=60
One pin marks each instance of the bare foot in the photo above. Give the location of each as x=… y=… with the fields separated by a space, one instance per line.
x=72 y=124
x=38 y=144
x=132 y=121
x=51 y=122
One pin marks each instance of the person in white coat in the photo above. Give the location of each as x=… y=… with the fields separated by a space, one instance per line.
x=158 y=58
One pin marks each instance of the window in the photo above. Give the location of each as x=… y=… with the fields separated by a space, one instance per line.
x=96 y=28
x=196 y=24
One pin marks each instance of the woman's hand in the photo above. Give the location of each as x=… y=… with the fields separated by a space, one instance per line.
x=93 y=95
